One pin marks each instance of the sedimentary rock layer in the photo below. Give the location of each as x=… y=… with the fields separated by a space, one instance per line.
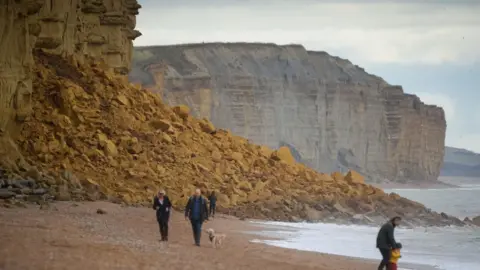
x=103 y=29
x=332 y=114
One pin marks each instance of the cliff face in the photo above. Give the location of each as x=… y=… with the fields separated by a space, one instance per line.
x=330 y=112
x=460 y=162
x=76 y=29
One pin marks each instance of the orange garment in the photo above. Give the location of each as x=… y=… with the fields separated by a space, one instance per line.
x=395 y=256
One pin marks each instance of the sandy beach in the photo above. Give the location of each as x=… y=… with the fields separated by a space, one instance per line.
x=72 y=236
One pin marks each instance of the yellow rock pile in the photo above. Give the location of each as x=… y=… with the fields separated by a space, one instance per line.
x=123 y=143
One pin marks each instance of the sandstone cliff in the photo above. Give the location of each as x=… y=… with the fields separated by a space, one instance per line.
x=329 y=111
x=76 y=29
x=460 y=162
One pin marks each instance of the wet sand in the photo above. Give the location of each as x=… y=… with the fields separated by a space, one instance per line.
x=73 y=236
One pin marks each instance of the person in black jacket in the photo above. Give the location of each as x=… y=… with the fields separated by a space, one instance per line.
x=163 y=206
x=213 y=203
x=197 y=211
x=386 y=241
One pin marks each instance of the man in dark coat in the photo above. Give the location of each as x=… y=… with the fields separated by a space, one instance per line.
x=163 y=207
x=386 y=241
x=197 y=211
x=213 y=203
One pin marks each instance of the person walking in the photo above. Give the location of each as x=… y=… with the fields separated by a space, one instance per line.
x=213 y=203
x=197 y=211
x=386 y=242
x=163 y=206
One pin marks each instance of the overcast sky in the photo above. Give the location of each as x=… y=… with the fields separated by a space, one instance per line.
x=432 y=48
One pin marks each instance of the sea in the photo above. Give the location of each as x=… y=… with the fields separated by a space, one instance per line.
x=451 y=248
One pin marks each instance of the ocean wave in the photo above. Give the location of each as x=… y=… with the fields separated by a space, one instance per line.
x=460 y=187
x=452 y=248
x=359 y=228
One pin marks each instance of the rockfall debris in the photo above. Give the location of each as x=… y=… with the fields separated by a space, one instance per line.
x=94 y=136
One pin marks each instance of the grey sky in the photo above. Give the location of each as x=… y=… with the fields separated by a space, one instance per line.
x=432 y=48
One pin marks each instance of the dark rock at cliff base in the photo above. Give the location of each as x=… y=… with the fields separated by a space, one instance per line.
x=6 y=194
x=476 y=221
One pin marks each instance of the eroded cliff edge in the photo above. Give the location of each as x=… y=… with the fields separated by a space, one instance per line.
x=333 y=114
x=76 y=29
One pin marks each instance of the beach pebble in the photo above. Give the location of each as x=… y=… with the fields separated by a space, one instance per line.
x=6 y=194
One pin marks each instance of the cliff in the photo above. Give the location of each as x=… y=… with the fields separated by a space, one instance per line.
x=330 y=112
x=460 y=162
x=76 y=29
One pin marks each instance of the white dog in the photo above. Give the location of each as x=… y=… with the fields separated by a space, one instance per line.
x=216 y=239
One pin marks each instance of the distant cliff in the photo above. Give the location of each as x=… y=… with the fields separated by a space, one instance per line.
x=332 y=114
x=460 y=162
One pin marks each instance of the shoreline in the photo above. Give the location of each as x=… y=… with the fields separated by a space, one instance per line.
x=417 y=185
x=266 y=239
x=127 y=238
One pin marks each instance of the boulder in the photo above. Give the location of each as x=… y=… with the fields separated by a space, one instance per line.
x=354 y=177
x=223 y=200
x=6 y=194
x=207 y=126
x=162 y=125
x=236 y=156
x=166 y=138
x=476 y=221
x=338 y=176
x=283 y=154
x=182 y=110
x=110 y=148
x=312 y=214
x=123 y=100
x=245 y=186
x=265 y=151
x=216 y=156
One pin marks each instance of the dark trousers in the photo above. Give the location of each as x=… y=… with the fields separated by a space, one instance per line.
x=386 y=253
x=163 y=225
x=197 y=230
x=212 y=209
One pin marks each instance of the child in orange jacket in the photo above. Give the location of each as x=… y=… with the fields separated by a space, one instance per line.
x=394 y=257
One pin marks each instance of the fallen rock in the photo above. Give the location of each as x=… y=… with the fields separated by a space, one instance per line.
x=283 y=154
x=182 y=110
x=34 y=174
x=162 y=125
x=6 y=194
x=207 y=126
x=476 y=221
x=338 y=176
x=312 y=214
x=354 y=177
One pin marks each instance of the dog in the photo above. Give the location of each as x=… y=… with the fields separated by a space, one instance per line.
x=215 y=238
